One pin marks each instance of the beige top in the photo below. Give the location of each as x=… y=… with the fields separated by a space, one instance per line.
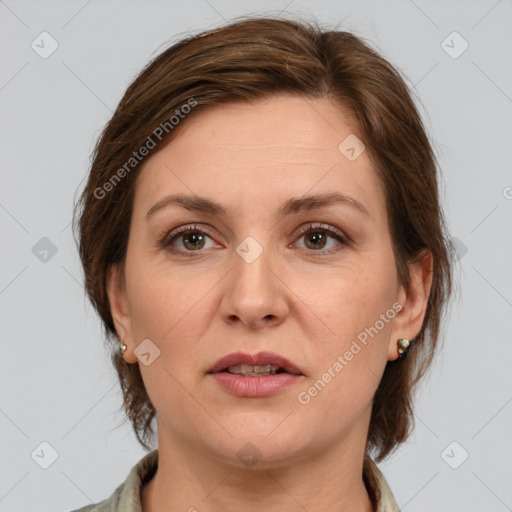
x=127 y=497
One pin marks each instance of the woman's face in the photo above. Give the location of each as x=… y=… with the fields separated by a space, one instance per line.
x=271 y=270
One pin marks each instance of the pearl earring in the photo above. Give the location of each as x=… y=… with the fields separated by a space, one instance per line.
x=403 y=345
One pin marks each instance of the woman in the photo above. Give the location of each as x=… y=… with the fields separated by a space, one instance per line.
x=262 y=238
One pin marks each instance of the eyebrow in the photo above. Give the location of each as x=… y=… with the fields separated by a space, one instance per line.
x=294 y=205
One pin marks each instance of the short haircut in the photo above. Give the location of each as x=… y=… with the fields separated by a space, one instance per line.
x=244 y=61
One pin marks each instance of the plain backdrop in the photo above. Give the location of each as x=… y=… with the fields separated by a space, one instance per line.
x=60 y=400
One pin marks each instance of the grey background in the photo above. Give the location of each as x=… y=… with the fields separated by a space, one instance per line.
x=57 y=385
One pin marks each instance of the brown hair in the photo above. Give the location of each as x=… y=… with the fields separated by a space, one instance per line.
x=244 y=61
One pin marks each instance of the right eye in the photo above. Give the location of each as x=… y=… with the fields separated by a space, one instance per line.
x=190 y=237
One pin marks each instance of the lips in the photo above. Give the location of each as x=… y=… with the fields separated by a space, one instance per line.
x=259 y=359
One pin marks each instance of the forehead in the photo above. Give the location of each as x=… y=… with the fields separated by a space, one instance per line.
x=270 y=149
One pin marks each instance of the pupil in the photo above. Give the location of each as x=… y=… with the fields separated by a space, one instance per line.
x=193 y=236
x=318 y=237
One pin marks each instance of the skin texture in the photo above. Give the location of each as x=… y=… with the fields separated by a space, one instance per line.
x=306 y=306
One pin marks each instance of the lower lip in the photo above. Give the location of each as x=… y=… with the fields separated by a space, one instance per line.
x=266 y=385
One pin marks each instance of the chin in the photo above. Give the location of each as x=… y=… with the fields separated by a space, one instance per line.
x=260 y=444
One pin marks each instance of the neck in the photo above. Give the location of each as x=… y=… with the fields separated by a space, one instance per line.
x=188 y=479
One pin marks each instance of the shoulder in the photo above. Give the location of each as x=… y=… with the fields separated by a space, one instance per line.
x=378 y=487
x=88 y=508
x=126 y=498
x=98 y=507
x=107 y=505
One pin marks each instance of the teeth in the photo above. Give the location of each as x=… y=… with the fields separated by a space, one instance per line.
x=249 y=370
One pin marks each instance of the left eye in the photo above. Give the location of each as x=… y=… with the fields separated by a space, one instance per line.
x=316 y=238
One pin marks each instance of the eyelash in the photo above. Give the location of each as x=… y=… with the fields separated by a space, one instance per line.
x=169 y=237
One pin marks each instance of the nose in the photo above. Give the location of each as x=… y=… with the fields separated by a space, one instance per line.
x=254 y=293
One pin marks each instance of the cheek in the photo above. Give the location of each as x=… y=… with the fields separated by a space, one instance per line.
x=356 y=303
x=169 y=308
x=169 y=304
x=351 y=298
x=349 y=365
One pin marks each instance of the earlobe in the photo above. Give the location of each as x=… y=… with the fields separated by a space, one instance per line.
x=116 y=291
x=414 y=301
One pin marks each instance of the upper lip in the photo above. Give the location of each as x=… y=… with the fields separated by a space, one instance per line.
x=259 y=359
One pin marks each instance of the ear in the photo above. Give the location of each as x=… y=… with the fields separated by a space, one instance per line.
x=116 y=290
x=414 y=300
